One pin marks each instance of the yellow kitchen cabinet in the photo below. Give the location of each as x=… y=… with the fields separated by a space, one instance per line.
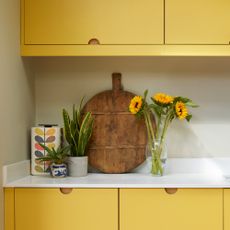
x=226 y=209
x=49 y=209
x=190 y=209
x=9 y=215
x=76 y=22
x=197 y=22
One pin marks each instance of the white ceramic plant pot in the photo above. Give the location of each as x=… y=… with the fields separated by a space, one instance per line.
x=58 y=170
x=78 y=166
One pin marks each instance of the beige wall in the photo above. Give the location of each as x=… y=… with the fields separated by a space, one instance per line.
x=16 y=92
x=63 y=81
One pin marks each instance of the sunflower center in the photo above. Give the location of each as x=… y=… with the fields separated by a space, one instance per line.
x=136 y=105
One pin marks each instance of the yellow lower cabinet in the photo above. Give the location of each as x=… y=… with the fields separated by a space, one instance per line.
x=9 y=216
x=226 y=209
x=187 y=209
x=82 y=209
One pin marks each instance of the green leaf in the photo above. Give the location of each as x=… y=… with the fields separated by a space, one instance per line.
x=78 y=112
x=183 y=99
x=67 y=130
x=191 y=104
x=188 y=118
x=145 y=94
x=74 y=115
x=85 y=133
x=48 y=150
x=53 y=155
x=156 y=108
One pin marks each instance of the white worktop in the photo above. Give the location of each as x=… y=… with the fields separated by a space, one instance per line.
x=180 y=173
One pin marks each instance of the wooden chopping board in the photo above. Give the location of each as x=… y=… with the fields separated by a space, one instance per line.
x=119 y=139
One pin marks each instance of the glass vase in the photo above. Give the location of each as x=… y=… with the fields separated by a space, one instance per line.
x=158 y=154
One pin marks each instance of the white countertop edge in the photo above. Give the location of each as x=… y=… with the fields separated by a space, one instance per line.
x=127 y=181
x=118 y=186
x=180 y=173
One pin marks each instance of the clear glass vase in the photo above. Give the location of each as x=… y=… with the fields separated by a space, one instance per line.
x=158 y=155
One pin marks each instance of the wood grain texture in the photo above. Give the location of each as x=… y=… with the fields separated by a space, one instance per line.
x=119 y=139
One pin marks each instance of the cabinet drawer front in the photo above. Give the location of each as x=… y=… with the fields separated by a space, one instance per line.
x=226 y=209
x=156 y=209
x=197 y=22
x=78 y=21
x=49 y=209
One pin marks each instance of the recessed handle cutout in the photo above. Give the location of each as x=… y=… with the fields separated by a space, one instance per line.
x=171 y=190
x=66 y=190
x=94 y=41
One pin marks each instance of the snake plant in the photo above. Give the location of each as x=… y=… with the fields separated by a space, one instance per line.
x=78 y=130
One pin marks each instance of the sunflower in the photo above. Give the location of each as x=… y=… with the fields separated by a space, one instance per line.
x=181 y=110
x=135 y=104
x=163 y=99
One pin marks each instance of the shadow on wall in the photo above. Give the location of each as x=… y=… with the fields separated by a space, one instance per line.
x=206 y=65
x=183 y=141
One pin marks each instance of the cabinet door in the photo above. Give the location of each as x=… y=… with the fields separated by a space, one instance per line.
x=190 y=209
x=226 y=209
x=78 y=21
x=83 y=209
x=197 y=22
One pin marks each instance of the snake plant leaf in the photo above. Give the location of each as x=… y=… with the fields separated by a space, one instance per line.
x=77 y=130
x=79 y=111
x=67 y=130
x=85 y=132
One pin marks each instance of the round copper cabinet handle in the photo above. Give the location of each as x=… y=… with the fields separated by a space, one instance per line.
x=94 y=41
x=66 y=190
x=171 y=190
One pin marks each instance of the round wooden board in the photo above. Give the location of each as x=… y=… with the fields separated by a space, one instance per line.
x=119 y=139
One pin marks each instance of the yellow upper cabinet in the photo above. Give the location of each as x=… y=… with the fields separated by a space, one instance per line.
x=49 y=209
x=190 y=209
x=197 y=21
x=76 y=22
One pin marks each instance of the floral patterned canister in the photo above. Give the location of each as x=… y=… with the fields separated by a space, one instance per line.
x=49 y=135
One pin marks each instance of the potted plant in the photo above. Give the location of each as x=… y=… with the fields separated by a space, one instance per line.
x=57 y=159
x=78 y=131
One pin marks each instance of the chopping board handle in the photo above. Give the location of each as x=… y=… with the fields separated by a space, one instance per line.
x=116 y=82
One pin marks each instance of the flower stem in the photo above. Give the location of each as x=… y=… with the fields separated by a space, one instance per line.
x=150 y=125
x=148 y=132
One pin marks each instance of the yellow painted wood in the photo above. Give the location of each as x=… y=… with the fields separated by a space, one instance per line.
x=9 y=208
x=78 y=21
x=197 y=22
x=190 y=209
x=49 y=209
x=226 y=209
x=125 y=50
